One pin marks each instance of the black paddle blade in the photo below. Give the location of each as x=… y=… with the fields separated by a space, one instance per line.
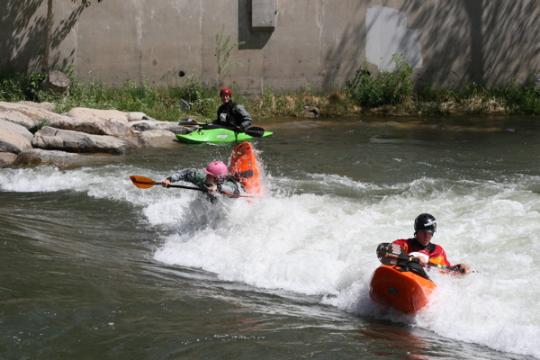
x=391 y=254
x=255 y=131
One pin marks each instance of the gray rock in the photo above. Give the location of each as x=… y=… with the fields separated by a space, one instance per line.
x=97 y=122
x=42 y=105
x=7 y=159
x=19 y=118
x=145 y=125
x=36 y=157
x=137 y=116
x=57 y=82
x=37 y=112
x=16 y=128
x=158 y=138
x=311 y=112
x=74 y=141
x=14 y=138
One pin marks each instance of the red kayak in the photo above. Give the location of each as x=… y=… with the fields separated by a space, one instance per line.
x=244 y=166
x=400 y=289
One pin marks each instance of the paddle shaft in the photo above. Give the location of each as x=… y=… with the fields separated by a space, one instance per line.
x=412 y=258
x=206 y=191
x=146 y=183
x=184 y=187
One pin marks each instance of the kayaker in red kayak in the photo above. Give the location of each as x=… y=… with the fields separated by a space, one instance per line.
x=214 y=179
x=231 y=115
x=423 y=249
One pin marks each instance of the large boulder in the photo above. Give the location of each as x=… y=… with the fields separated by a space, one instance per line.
x=41 y=105
x=146 y=125
x=35 y=157
x=14 y=138
x=98 y=122
x=38 y=113
x=19 y=118
x=158 y=138
x=74 y=141
x=7 y=158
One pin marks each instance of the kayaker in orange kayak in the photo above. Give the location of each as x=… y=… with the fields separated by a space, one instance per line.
x=231 y=115
x=213 y=179
x=421 y=247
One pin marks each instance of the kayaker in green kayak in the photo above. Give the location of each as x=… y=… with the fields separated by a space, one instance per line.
x=231 y=115
x=214 y=179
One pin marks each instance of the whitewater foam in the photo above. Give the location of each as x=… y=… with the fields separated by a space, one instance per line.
x=309 y=238
x=324 y=244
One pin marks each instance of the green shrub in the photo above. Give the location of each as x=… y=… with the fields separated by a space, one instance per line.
x=520 y=98
x=386 y=88
x=18 y=87
x=196 y=100
x=11 y=89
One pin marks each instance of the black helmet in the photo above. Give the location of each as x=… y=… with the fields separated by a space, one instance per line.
x=426 y=222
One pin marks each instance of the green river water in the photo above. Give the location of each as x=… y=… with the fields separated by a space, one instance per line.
x=94 y=268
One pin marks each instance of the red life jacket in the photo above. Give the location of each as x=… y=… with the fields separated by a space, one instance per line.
x=436 y=253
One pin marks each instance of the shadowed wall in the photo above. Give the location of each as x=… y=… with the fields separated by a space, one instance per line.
x=316 y=44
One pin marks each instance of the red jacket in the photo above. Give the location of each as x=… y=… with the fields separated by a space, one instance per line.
x=436 y=253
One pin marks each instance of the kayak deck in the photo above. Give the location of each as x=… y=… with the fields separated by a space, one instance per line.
x=216 y=136
x=402 y=290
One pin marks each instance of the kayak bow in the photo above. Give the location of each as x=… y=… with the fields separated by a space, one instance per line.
x=400 y=289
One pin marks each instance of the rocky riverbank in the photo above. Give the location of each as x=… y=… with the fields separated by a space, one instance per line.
x=32 y=133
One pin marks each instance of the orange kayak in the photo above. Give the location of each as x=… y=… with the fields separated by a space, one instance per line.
x=243 y=166
x=402 y=290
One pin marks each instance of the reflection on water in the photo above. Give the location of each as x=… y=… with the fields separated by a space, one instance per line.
x=395 y=340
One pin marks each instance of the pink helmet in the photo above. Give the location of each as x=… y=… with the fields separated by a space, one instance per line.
x=217 y=169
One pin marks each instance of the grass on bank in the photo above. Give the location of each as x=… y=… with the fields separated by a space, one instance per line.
x=391 y=93
x=395 y=92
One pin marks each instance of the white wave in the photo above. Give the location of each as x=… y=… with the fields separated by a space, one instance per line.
x=306 y=240
x=109 y=182
x=322 y=244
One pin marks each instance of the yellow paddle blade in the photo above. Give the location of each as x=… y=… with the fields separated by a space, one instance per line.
x=142 y=182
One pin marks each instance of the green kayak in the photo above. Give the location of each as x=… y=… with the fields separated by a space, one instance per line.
x=221 y=135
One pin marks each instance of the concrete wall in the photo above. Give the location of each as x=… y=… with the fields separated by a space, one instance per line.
x=317 y=44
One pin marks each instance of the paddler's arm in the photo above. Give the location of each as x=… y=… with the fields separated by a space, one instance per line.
x=230 y=189
x=458 y=269
x=193 y=176
x=443 y=260
x=244 y=117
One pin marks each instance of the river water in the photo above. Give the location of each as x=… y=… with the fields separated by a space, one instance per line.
x=94 y=268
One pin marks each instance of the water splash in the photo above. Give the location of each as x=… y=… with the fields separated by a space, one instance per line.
x=317 y=235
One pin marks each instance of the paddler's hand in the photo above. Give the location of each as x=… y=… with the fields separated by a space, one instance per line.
x=166 y=183
x=462 y=268
x=420 y=258
x=211 y=188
